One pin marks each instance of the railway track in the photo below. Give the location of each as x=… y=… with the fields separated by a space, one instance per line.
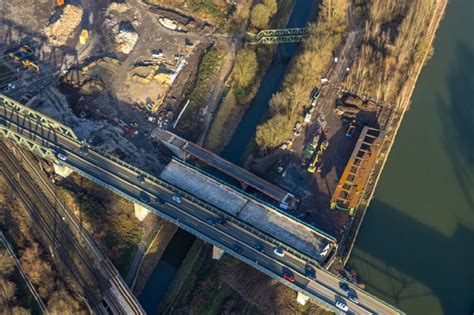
x=116 y=296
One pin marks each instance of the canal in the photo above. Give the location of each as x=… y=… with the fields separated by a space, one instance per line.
x=416 y=246
x=160 y=280
x=257 y=111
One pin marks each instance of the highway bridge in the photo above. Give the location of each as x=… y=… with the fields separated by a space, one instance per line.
x=236 y=237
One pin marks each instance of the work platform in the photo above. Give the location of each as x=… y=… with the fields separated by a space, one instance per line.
x=180 y=146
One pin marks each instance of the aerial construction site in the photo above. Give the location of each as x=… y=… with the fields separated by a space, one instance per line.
x=136 y=132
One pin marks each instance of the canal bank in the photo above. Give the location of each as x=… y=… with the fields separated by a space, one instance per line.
x=245 y=133
x=422 y=216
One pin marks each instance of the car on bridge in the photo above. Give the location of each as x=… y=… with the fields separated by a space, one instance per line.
x=288 y=276
x=160 y=200
x=84 y=150
x=144 y=198
x=353 y=297
x=258 y=247
x=238 y=250
x=61 y=156
x=342 y=306
x=279 y=252
x=177 y=199
x=211 y=221
x=344 y=286
x=310 y=272
x=141 y=178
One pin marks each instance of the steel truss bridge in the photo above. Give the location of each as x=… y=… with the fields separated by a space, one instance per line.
x=46 y=137
x=281 y=36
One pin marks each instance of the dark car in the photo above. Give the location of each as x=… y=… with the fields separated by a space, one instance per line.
x=310 y=272
x=344 y=286
x=238 y=250
x=222 y=221
x=211 y=221
x=160 y=201
x=353 y=297
x=145 y=198
x=258 y=247
x=141 y=178
x=84 y=150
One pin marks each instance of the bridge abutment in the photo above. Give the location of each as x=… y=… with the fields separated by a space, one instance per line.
x=302 y=299
x=62 y=170
x=140 y=211
x=217 y=252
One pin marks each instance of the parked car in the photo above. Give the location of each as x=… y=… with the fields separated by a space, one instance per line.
x=342 y=306
x=177 y=199
x=279 y=252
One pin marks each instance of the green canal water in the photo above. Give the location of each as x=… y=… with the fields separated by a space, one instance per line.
x=416 y=246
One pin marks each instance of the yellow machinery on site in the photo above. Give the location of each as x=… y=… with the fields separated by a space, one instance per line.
x=25 y=55
x=319 y=148
x=84 y=37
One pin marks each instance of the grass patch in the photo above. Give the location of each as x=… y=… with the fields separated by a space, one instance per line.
x=227 y=115
x=209 y=69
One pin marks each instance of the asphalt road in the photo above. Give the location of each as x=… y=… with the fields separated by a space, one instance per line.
x=324 y=289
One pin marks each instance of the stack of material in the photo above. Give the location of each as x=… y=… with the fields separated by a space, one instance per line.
x=126 y=38
x=59 y=31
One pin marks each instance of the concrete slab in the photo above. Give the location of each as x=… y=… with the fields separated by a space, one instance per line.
x=257 y=214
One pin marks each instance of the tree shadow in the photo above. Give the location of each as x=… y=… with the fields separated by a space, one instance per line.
x=457 y=115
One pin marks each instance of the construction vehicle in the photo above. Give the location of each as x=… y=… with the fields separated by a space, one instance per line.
x=84 y=36
x=25 y=55
x=315 y=163
x=314 y=96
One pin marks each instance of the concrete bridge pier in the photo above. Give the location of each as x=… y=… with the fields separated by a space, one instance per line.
x=217 y=252
x=62 y=170
x=140 y=211
x=302 y=299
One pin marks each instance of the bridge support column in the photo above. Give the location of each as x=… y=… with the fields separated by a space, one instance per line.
x=302 y=299
x=140 y=212
x=217 y=252
x=62 y=170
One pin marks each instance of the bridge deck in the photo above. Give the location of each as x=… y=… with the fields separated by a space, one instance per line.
x=250 y=211
x=240 y=174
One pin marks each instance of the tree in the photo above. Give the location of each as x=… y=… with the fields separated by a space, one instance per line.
x=260 y=16
x=246 y=67
x=272 y=133
x=7 y=265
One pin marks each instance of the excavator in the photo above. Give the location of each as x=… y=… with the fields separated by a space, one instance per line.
x=25 y=55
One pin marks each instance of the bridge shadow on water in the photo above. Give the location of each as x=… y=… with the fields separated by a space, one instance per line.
x=404 y=261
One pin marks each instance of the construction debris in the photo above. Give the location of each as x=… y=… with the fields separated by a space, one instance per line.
x=60 y=30
x=125 y=38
